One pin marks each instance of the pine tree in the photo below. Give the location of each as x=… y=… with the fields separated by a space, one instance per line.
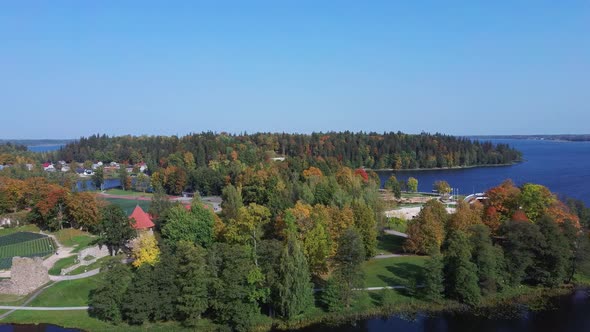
x=460 y=273
x=348 y=260
x=295 y=292
x=192 y=283
x=108 y=298
x=433 y=278
x=486 y=258
x=140 y=304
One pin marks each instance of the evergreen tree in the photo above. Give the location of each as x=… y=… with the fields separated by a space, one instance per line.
x=159 y=206
x=552 y=257
x=348 y=259
x=486 y=258
x=433 y=278
x=364 y=220
x=140 y=303
x=191 y=281
x=521 y=242
x=295 y=292
x=166 y=290
x=108 y=298
x=459 y=272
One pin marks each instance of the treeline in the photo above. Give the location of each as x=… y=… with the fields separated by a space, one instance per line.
x=370 y=150
x=517 y=236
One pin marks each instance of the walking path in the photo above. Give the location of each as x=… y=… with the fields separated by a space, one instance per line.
x=61 y=252
x=76 y=276
x=29 y=300
x=13 y=308
x=396 y=233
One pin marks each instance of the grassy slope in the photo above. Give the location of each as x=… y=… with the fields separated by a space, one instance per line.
x=393 y=271
x=128 y=204
x=71 y=237
x=62 y=263
x=71 y=293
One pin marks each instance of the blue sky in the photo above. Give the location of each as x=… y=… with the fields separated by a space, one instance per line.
x=73 y=68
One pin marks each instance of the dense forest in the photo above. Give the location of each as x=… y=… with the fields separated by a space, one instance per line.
x=369 y=150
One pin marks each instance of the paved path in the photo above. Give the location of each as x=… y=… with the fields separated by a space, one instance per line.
x=383 y=256
x=396 y=233
x=76 y=276
x=4 y=307
x=62 y=252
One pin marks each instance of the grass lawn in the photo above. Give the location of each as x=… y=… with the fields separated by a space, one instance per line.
x=62 y=263
x=71 y=237
x=10 y=299
x=394 y=271
x=70 y=293
x=25 y=228
x=390 y=244
x=129 y=204
x=121 y=192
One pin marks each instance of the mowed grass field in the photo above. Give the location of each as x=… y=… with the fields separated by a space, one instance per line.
x=129 y=204
x=24 y=244
x=395 y=271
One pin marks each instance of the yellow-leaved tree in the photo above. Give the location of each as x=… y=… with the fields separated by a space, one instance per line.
x=145 y=250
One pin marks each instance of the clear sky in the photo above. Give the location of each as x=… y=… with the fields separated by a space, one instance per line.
x=73 y=68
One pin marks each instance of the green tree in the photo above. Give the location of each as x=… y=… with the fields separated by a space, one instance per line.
x=295 y=291
x=394 y=185
x=316 y=245
x=98 y=177
x=114 y=229
x=247 y=228
x=433 y=278
x=487 y=258
x=108 y=298
x=412 y=184
x=166 y=292
x=142 y=182
x=159 y=207
x=140 y=303
x=460 y=273
x=192 y=282
x=442 y=187
x=347 y=265
x=552 y=257
x=124 y=177
x=521 y=242
x=232 y=201
x=195 y=226
x=535 y=199
x=236 y=286
x=364 y=220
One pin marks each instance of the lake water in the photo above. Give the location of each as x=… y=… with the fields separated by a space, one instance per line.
x=568 y=313
x=564 y=167
x=44 y=148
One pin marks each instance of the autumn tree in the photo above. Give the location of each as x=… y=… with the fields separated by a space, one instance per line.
x=426 y=232
x=394 y=185
x=247 y=228
x=82 y=210
x=442 y=187
x=145 y=250
x=465 y=216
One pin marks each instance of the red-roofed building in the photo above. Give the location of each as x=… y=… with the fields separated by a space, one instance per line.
x=142 y=220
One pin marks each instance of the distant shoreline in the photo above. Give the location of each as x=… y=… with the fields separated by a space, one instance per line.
x=442 y=168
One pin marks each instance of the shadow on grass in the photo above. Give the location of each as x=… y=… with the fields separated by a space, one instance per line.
x=388 y=243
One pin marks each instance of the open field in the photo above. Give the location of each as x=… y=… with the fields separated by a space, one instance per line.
x=24 y=244
x=393 y=271
x=128 y=204
x=121 y=192
x=62 y=263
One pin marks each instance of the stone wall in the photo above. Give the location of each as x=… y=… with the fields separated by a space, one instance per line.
x=27 y=274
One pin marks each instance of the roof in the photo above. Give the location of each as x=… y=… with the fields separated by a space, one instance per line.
x=142 y=219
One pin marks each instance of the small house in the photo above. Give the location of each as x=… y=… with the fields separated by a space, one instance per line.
x=140 y=220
